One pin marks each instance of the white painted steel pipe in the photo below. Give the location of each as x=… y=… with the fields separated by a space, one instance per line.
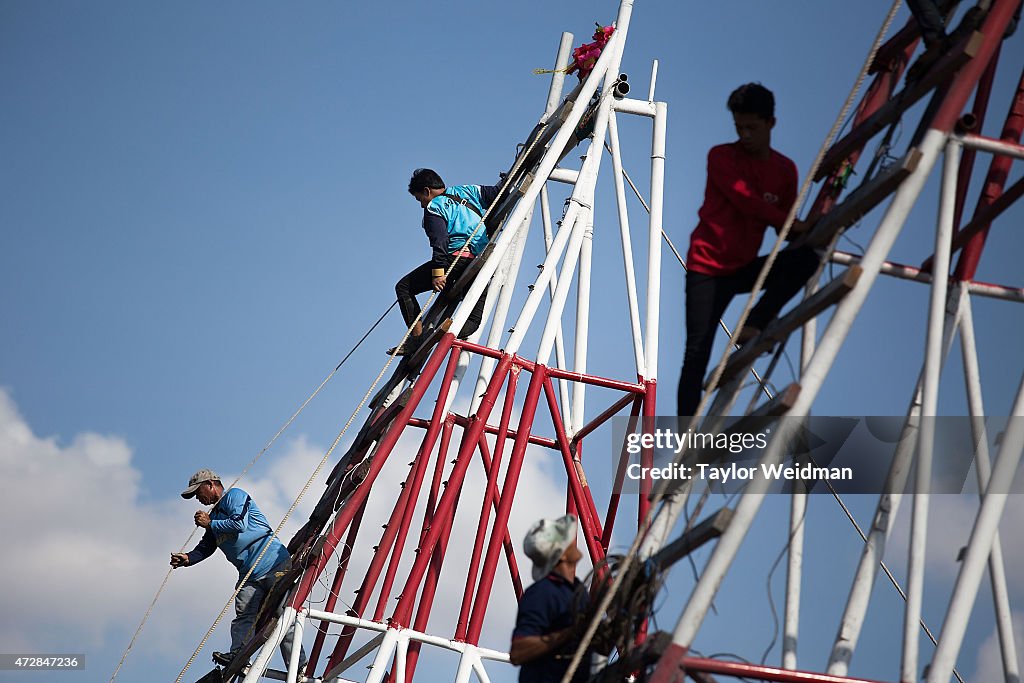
x=638 y=107
x=563 y=387
x=627 y=246
x=811 y=382
x=293 y=660
x=905 y=272
x=508 y=274
x=797 y=513
x=579 y=354
x=258 y=667
x=540 y=284
x=982 y=534
x=418 y=636
x=544 y=168
x=565 y=175
x=511 y=265
x=465 y=669
x=401 y=650
x=654 y=241
x=929 y=409
x=992 y=145
x=384 y=651
x=583 y=194
x=794 y=576
x=481 y=672
x=579 y=202
x=885 y=514
x=554 y=318
x=997 y=569
x=558 y=76
x=654 y=81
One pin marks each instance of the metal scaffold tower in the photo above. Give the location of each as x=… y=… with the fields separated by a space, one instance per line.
x=500 y=424
x=389 y=623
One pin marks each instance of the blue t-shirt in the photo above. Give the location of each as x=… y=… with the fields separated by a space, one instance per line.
x=550 y=605
x=449 y=224
x=240 y=530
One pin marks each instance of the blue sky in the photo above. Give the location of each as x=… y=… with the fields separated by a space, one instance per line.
x=203 y=207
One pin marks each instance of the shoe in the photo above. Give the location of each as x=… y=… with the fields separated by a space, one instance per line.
x=409 y=347
x=223 y=658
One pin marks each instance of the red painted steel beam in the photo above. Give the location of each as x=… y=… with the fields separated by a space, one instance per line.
x=594 y=380
x=492 y=469
x=646 y=455
x=992 y=192
x=403 y=611
x=435 y=488
x=510 y=551
x=763 y=673
x=332 y=597
x=674 y=665
x=992 y=201
x=587 y=513
x=462 y=421
x=384 y=448
x=393 y=527
x=414 y=482
x=611 y=412
x=620 y=475
x=881 y=90
x=515 y=466
x=975 y=119
x=993 y=28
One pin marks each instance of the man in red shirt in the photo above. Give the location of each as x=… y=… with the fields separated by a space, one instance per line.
x=750 y=186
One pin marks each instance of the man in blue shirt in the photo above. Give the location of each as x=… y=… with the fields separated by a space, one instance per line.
x=452 y=219
x=552 y=610
x=239 y=529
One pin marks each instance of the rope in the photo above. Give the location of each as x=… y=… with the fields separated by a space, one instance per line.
x=769 y=261
x=270 y=443
x=682 y=262
x=366 y=397
x=149 y=611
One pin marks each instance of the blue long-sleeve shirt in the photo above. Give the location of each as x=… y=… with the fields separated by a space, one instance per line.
x=240 y=530
x=448 y=224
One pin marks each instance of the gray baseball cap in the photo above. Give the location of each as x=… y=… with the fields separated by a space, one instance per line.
x=197 y=479
x=546 y=541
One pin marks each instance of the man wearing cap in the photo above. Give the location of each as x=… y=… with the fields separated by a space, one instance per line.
x=239 y=529
x=546 y=633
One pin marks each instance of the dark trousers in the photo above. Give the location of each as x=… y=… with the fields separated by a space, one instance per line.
x=929 y=20
x=707 y=297
x=420 y=280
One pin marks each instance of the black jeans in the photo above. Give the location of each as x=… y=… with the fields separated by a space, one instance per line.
x=929 y=20
x=707 y=297
x=419 y=280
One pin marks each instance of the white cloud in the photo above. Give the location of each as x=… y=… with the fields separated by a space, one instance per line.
x=87 y=551
x=989 y=666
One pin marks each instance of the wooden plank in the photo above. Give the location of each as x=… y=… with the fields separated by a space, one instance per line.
x=346 y=663
x=708 y=530
x=891 y=111
x=861 y=201
x=779 y=330
x=775 y=407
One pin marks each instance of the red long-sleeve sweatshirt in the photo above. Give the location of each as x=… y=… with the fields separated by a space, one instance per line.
x=744 y=195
